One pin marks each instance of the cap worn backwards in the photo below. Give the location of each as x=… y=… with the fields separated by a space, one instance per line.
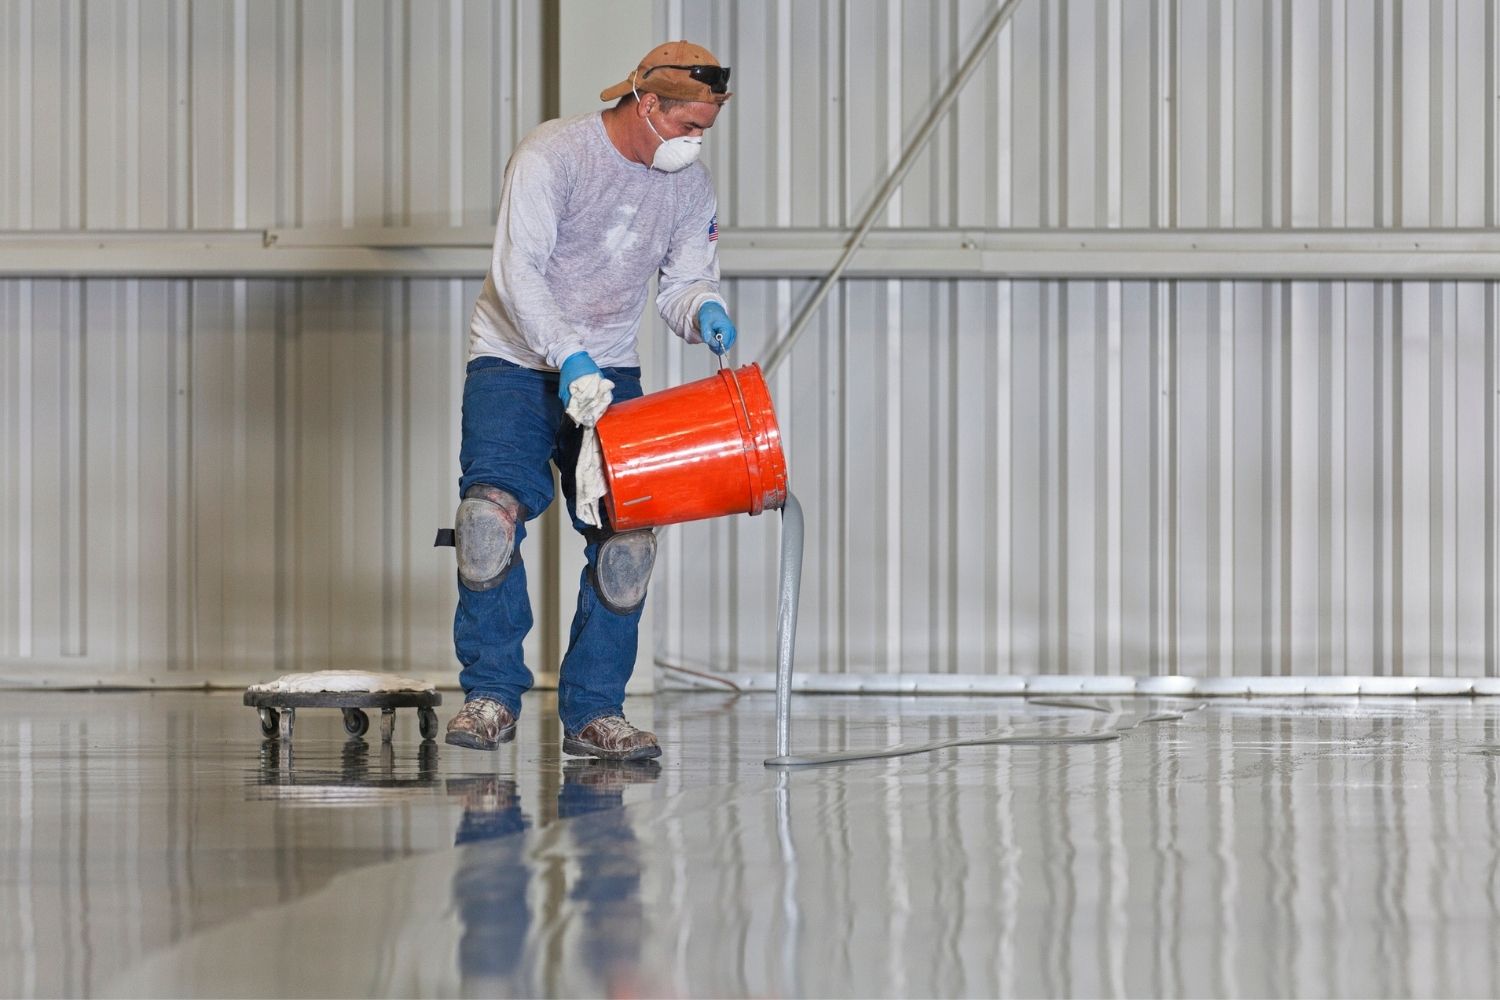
x=675 y=70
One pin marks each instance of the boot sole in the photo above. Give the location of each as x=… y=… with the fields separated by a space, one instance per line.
x=578 y=748
x=472 y=742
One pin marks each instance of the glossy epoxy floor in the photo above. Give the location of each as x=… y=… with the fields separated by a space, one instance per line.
x=154 y=845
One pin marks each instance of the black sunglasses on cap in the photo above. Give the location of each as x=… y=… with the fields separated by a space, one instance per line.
x=717 y=77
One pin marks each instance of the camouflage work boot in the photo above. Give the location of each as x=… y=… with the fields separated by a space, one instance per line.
x=482 y=724
x=612 y=738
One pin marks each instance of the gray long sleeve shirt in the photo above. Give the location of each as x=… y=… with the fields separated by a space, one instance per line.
x=581 y=232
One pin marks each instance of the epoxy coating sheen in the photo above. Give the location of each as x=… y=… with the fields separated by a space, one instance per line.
x=155 y=845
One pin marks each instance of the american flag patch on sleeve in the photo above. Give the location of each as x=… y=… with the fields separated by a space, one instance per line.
x=713 y=229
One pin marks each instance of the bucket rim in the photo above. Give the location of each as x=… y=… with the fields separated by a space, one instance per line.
x=749 y=439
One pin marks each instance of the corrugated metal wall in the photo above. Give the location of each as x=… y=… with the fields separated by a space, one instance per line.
x=1087 y=477
x=1104 y=477
x=205 y=477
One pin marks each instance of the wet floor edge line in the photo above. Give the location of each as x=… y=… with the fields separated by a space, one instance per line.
x=997 y=737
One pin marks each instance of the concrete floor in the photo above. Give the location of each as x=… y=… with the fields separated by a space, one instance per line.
x=154 y=845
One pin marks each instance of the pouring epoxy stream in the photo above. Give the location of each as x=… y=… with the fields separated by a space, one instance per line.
x=592 y=207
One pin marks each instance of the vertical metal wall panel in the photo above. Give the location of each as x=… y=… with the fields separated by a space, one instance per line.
x=213 y=478
x=1211 y=478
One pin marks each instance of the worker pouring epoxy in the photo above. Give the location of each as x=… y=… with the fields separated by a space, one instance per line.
x=591 y=208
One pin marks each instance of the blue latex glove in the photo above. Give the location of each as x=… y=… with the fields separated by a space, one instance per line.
x=574 y=367
x=714 y=324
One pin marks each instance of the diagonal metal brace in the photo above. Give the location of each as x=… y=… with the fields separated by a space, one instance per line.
x=783 y=346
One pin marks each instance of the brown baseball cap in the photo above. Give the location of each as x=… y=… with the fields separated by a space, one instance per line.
x=680 y=71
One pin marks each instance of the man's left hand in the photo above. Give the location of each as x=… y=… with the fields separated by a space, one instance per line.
x=717 y=330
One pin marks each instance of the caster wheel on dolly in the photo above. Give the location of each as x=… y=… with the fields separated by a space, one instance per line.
x=270 y=722
x=356 y=722
x=427 y=722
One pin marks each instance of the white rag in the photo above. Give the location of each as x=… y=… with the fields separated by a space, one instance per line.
x=589 y=396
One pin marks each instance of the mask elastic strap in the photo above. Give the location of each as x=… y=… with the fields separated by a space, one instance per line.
x=659 y=136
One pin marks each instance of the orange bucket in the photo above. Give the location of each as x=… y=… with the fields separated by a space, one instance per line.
x=699 y=450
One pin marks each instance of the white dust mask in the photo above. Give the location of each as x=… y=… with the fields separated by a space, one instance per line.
x=673 y=154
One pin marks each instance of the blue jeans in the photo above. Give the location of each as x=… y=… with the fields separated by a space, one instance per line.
x=513 y=426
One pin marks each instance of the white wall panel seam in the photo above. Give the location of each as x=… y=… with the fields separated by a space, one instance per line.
x=393 y=117
x=1004 y=80
x=72 y=480
x=1224 y=148
x=9 y=85
x=1448 y=478
x=1227 y=335
x=1170 y=111
x=240 y=150
x=25 y=40
x=1101 y=102
x=1172 y=532
x=288 y=114
x=234 y=636
x=1387 y=453
x=187 y=492
x=11 y=459
x=833 y=479
x=25 y=484
x=1491 y=382
x=132 y=165
x=75 y=87
x=1114 y=469
x=1058 y=121
x=455 y=112
x=347 y=95
x=1102 y=365
x=1383 y=129
x=128 y=607
x=185 y=159
x=1399 y=472
x=283 y=361
x=1331 y=134
x=1003 y=466
x=1272 y=115
x=1439 y=80
x=1338 y=514
x=1329 y=457
x=1492 y=109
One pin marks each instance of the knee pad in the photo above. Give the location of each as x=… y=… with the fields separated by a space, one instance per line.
x=484 y=533
x=622 y=568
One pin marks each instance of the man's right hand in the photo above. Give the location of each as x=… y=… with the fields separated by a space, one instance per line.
x=574 y=367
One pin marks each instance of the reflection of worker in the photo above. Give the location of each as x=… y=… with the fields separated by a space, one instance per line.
x=592 y=207
x=608 y=886
x=490 y=896
x=492 y=886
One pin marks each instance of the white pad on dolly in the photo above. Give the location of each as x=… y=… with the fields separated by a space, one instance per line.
x=341 y=681
x=350 y=691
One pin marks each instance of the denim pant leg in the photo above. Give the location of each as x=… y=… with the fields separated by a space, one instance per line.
x=511 y=417
x=601 y=644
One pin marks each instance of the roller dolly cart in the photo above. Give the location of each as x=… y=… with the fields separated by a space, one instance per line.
x=278 y=710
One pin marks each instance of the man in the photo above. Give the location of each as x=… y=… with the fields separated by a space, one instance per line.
x=592 y=208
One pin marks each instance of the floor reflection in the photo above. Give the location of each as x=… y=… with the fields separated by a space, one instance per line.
x=494 y=894
x=153 y=845
x=366 y=775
